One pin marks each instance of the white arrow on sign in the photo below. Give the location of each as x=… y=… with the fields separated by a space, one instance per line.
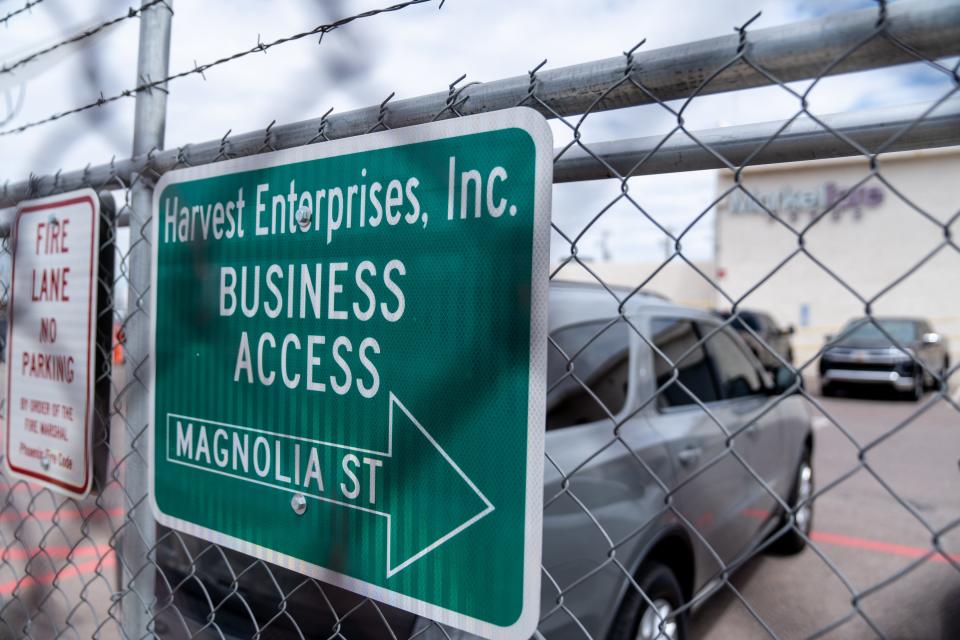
x=488 y=506
x=422 y=482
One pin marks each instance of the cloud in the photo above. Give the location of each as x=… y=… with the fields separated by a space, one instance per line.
x=415 y=51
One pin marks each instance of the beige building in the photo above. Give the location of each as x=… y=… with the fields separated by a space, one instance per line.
x=883 y=244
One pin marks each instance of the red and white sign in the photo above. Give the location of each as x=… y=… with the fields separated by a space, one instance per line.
x=51 y=341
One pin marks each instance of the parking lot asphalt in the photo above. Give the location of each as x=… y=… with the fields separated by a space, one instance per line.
x=58 y=570
x=866 y=541
x=890 y=486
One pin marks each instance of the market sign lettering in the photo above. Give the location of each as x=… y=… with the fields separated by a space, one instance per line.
x=348 y=363
x=793 y=203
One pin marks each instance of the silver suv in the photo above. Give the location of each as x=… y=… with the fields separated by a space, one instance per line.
x=672 y=455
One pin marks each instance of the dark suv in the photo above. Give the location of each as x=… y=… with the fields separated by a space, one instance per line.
x=904 y=354
x=626 y=427
x=763 y=335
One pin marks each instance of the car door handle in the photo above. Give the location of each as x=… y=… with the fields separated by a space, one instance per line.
x=753 y=430
x=689 y=455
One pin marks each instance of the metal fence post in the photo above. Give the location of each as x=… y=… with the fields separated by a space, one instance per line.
x=784 y=243
x=139 y=536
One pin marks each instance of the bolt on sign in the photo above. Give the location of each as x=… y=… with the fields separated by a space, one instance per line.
x=52 y=341
x=349 y=362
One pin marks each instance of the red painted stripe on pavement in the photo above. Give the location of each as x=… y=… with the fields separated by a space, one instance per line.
x=888 y=548
x=55 y=552
x=7 y=588
x=756 y=514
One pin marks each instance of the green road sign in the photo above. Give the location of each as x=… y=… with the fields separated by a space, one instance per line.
x=348 y=363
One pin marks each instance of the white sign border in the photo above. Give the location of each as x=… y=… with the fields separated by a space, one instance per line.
x=29 y=476
x=534 y=125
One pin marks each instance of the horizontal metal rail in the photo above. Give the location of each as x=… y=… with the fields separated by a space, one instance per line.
x=791 y=52
x=874 y=130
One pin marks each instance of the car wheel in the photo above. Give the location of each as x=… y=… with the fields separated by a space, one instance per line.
x=827 y=390
x=939 y=383
x=916 y=393
x=791 y=541
x=929 y=381
x=637 y=620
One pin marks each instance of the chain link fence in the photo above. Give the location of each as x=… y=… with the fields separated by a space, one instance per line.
x=101 y=568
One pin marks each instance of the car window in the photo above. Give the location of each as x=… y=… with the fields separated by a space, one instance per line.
x=588 y=371
x=768 y=323
x=757 y=322
x=736 y=372
x=865 y=331
x=677 y=339
x=745 y=319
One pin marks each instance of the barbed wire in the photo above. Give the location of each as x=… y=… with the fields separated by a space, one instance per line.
x=27 y=7
x=148 y=84
x=13 y=107
x=235 y=590
x=83 y=35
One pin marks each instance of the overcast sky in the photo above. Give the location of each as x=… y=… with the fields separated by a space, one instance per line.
x=414 y=51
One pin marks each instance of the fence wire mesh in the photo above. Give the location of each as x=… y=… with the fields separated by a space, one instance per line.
x=63 y=570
